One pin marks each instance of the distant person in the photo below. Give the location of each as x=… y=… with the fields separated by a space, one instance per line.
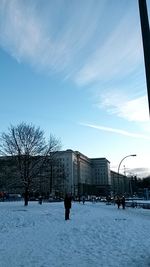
x=83 y=199
x=40 y=200
x=108 y=199
x=123 y=202
x=118 y=202
x=67 y=205
x=114 y=200
x=93 y=199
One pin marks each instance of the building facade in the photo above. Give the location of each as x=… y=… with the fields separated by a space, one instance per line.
x=101 y=176
x=70 y=171
x=85 y=176
x=121 y=184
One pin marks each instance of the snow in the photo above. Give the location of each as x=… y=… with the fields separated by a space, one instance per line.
x=98 y=235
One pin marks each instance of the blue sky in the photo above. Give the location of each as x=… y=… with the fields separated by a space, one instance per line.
x=76 y=69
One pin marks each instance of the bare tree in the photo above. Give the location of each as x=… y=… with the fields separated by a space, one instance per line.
x=28 y=146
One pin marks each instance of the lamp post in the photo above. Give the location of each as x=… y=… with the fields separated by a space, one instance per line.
x=132 y=155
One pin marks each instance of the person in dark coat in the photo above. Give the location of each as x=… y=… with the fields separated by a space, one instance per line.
x=123 y=202
x=118 y=202
x=83 y=199
x=67 y=205
x=40 y=200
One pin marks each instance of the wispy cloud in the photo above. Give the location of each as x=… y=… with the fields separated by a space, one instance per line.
x=119 y=55
x=59 y=37
x=51 y=40
x=117 y=131
x=25 y=36
x=118 y=103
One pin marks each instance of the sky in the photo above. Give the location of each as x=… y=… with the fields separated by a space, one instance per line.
x=96 y=235
x=76 y=69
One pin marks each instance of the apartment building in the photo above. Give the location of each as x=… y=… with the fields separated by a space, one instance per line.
x=70 y=171
x=80 y=175
x=101 y=175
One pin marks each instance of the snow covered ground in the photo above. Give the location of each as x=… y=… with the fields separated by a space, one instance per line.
x=98 y=235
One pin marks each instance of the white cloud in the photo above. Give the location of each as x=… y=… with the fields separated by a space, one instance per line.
x=20 y=33
x=43 y=41
x=140 y=172
x=117 y=131
x=37 y=38
x=40 y=41
x=120 y=54
x=132 y=110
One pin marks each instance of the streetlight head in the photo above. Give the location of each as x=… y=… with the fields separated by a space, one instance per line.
x=134 y=155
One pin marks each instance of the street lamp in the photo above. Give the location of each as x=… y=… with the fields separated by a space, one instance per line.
x=132 y=155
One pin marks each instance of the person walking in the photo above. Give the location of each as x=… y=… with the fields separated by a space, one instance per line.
x=40 y=200
x=67 y=205
x=118 y=202
x=123 y=202
x=83 y=199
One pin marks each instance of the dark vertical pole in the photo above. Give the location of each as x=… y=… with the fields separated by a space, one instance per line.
x=146 y=42
x=51 y=178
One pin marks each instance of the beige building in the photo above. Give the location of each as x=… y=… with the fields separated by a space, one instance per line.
x=84 y=175
x=101 y=176
x=70 y=172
